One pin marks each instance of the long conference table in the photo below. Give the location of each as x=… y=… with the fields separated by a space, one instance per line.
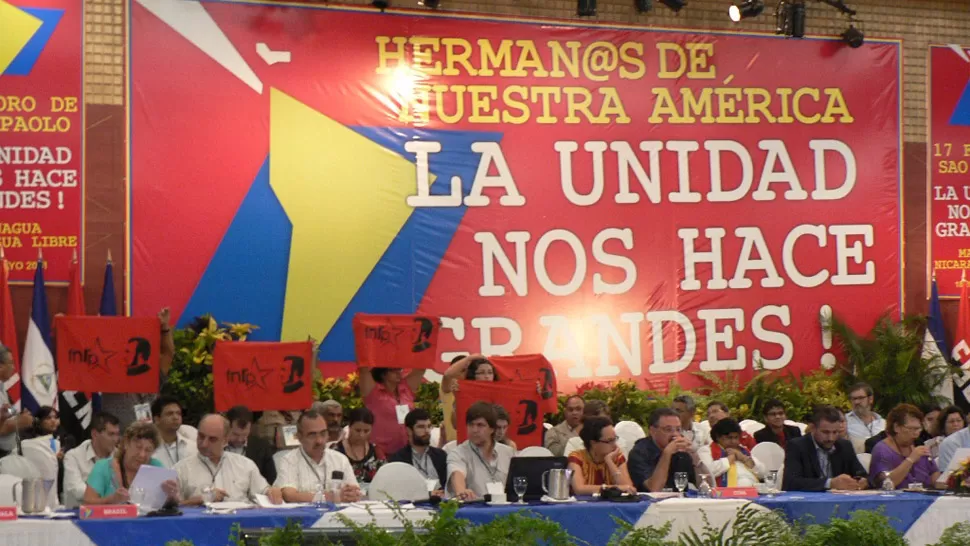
x=922 y=518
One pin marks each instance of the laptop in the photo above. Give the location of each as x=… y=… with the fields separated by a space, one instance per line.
x=532 y=468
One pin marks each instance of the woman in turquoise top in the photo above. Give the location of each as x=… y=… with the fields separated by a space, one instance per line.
x=110 y=478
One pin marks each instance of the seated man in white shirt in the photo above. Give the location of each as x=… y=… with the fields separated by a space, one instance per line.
x=78 y=462
x=229 y=475
x=175 y=446
x=730 y=462
x=301 y=471
x=862 y=422
x=686 y=408
x=479 y=460
x=9 y=426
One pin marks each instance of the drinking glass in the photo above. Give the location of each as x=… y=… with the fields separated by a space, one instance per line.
x=208 y=497
x=520 y=484
x=137 y=497
x=680 y=481
x=772 y=482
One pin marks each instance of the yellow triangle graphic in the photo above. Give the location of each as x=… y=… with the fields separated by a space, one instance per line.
x=17 y=27
x=345 y=196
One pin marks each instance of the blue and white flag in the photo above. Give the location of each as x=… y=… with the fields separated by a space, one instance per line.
x=37 y=373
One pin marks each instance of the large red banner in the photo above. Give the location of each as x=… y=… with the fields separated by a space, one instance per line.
x=41 y=134
x=630 y=203
x=948 y=165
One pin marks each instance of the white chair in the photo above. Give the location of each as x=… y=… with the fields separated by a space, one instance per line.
x=7 y=485
x=629 y=432
x=704 y=426
x=865 y=459
x=188 y=432
x=398 y=481
x=801 y=426
x=770 y=454
x=750 y=426
x=535 y=451
x=38 y=451
x=435 y=435
x=547 y=426
x=278 y=456
x=19 y=466
x=450 y=446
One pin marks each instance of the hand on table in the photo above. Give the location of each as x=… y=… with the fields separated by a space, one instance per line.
x=275 y=495
x=350 y=493
x=466 y=495
x=844 y=482
x=219 y=495
x=120 y=496
x=863 y=483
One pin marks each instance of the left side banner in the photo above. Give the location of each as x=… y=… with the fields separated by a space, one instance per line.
x=41 y=134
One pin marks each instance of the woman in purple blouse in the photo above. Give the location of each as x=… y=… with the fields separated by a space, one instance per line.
x=898 y=455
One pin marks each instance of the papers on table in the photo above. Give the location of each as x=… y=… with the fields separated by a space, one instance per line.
x=150 y=479
x=229 y=506
x=959 y=456
x=263 y=502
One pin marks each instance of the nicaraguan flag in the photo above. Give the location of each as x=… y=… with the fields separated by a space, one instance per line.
x=37 y=373
x=934 y=341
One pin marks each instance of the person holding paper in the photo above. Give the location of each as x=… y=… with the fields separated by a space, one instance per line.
x=110 y=479
x=301 y=471
x=230 y=476
x=898 y=457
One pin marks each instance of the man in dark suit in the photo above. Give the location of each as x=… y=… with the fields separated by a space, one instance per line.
x=821 y=460
x=775 y=428
x=430 y=461
x=253 y=447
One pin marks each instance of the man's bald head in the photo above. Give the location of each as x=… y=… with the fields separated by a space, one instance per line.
x=213 y=432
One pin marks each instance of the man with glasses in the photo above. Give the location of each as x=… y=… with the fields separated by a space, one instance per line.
x=655 y=460
x=862 y=422
x=775 y=428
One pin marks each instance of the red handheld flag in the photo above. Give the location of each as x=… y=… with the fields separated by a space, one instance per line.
x=396 y=341
x=530 y=368
x=263 y=376
x=520 y=400
x=108 y=354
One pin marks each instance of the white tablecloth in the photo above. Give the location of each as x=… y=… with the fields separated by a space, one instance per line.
x=684 y=514
x=39 y=532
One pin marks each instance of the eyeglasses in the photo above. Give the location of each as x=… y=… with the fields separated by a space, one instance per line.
x=912 y=428
x=608 y=440
x=775 y=414
x=671 y=430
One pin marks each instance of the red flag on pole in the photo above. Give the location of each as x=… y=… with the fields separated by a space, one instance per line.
x=8 y=332
x=396 y=341
x=520 y=400
x=961 y=345
x=263 y=376
x=75 y=293
x=108 y=354
x=534 y=369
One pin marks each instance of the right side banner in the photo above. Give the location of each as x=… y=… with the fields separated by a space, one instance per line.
x=949 y=166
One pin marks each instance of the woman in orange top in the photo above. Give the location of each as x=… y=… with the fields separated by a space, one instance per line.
x=602 y=463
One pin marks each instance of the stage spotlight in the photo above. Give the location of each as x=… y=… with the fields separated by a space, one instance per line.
x=675 y=5
x=853 y=36
x=643 y=6
x=381 y=4
x=747 y=8
x=586 y=8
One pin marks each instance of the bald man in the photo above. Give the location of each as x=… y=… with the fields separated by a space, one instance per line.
x=231 y=476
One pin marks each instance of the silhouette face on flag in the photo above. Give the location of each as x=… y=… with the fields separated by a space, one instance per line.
x=526 y=415
x=139 y=352
x=422 y=342
x=519 y=399
x=294 y=381
x=532 y=368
